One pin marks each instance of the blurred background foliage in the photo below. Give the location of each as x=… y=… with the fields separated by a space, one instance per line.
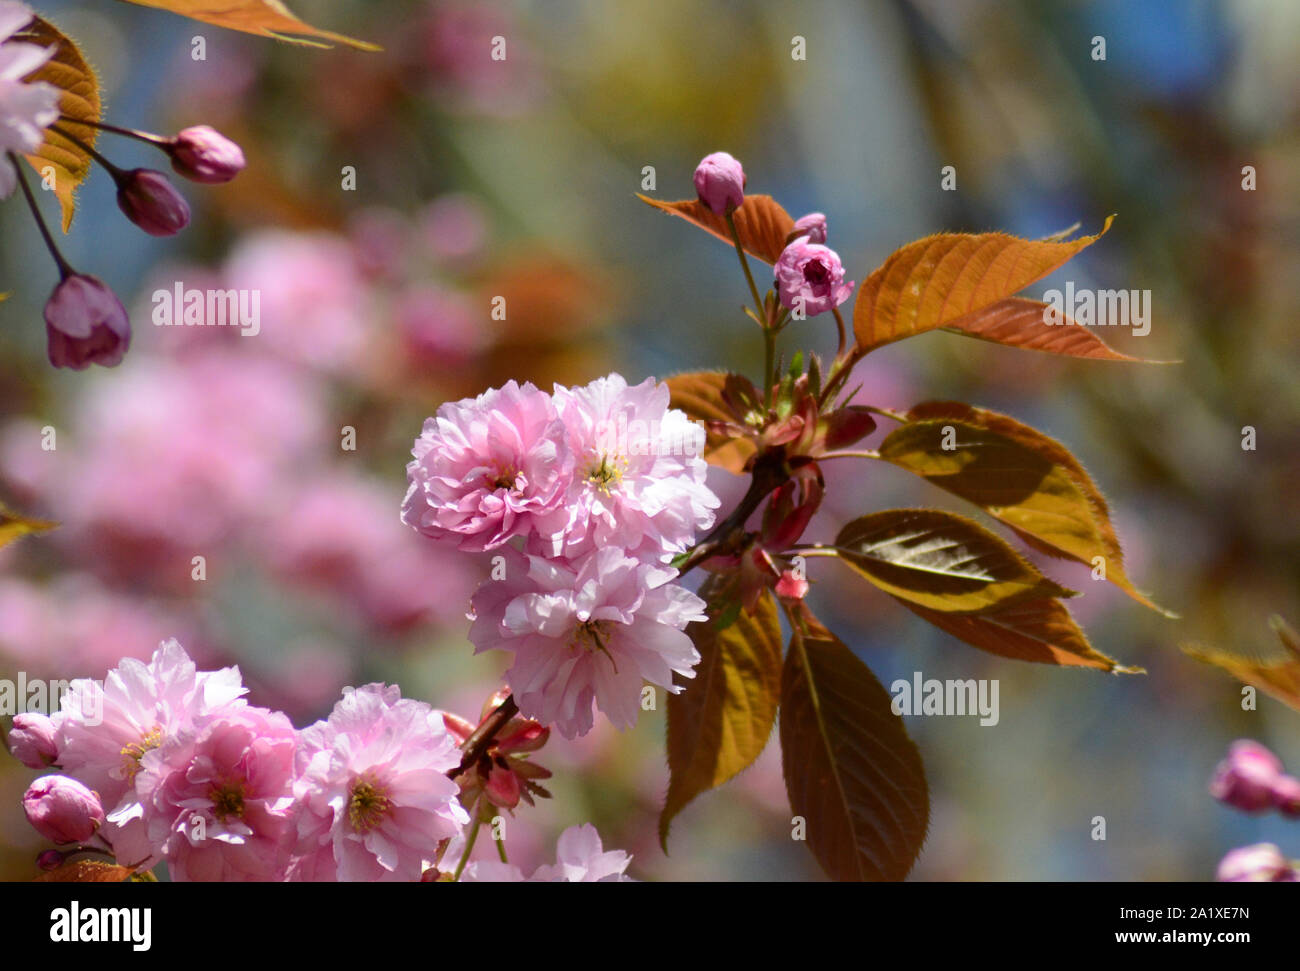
x=477 y=178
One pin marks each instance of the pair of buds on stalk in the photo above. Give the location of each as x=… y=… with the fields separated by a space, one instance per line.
x=787 y=437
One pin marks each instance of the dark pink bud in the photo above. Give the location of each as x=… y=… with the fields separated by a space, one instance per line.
x=62 y=809
x=50 y=859
x=150 y=201
x=460 y=729
x=203 y=154
x=33 y=740
x=720 y=182
x=529 y=738
x=847 y=426
x=1286 y=795
x=791 y=586
x=1245 y=779
x=812 y=225
x=1261 y=863
x=502 y=786
x=86 y=324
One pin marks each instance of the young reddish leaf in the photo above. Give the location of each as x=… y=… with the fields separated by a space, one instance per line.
x=850 y=770
x=86 y=871
x=268 y=18
x=721 y=722
x=936 y=281
x=12 y=526
x=1018 y=475
x=1278 y=676
x=1019 y=322
x=941 y=561
x=760 y=222
x=699 y=394
x=1035 y=630
x=78 y=88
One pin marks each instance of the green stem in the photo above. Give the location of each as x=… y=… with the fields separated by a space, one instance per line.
x=112 y=169
x=501 y=850
x=744 y=262
x=65 y=270
x=769 y=365
x=839 y=323
x=469 y=846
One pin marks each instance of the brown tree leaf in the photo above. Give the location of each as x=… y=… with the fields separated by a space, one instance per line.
x=940 y=561
x=86 y=871
x=699 y=394
x=1016 y=474
x=12 y=525
x=1034 y=630
x=1277 y=675
x=68 y=71
x=721 y=722
x=850 y=769
x=268 y=18
x=1019 y=322
x=761 y=223
x=936 y=281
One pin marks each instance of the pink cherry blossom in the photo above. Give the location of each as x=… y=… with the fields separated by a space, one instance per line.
x=26 y=107
x=579 y=858
x=106 y=729
x=587 y=632
x=810 y=278
x=487 y=468
x=639 y=481
x=374 y=797
x=217 y=801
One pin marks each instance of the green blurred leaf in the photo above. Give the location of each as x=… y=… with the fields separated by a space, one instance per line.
x=850 y=770
x=1016 y=474
x=721 y=722
x=941 y=561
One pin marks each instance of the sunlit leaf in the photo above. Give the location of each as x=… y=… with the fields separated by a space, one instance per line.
x=1034 y=630
x=722 y=720
x=699 y=394
x=940 y=561
x=760 y=222
x=12 y=526
x=68 y=71
x=851 y=772
x=936 y=281
x=1019 y=322
x=86 y=871
x=1277 y=675
x=269 y=18
x=1017 y=474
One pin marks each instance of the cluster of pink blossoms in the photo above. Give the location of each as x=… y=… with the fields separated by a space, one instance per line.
x=582 y=496
x=163 y=762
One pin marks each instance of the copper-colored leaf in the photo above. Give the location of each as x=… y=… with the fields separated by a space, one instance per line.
x=699 y=394
x=761 y=223
x=1035 y=630
x=1019 y=322
x=1277 y=675
x=86 y=871
x=1017 y=474
x=720 y=723
x=940 y=561
x=268 y=18
x=936 y=281
x=12 y=525
x=850 y=770
x=78 y=88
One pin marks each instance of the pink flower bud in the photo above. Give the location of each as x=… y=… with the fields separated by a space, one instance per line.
x=32 y=740
x=203 y=154
x=150 y=201
x=720 y=182
x=62 y=809
x=810 y=277
x=85 y=324
x=847 y=426
x=791 y=586
x=1261 y=863
x=502 y=786
x=812 y=225
x=1245 y=779
x=1286 y=795
x=50 y=859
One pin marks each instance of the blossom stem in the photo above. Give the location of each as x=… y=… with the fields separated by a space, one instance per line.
x=744 y=262
x=65 y=270
x=770 y=473
x=143 y=136
x=469 y=846
x=109 y=167
x=501 y=849
x=769 y=352
x=839 y=324
x=478 y=743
